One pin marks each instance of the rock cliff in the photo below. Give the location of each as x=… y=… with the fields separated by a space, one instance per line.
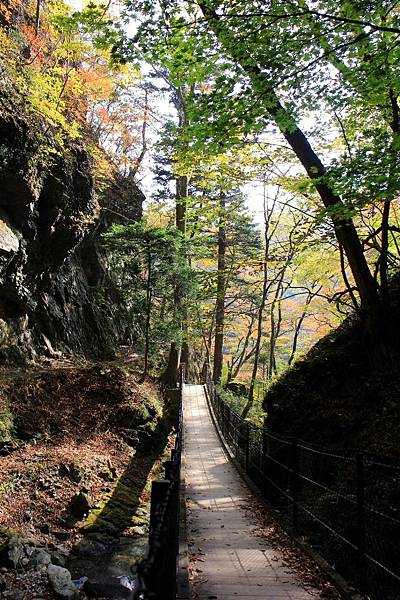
x=55 y=292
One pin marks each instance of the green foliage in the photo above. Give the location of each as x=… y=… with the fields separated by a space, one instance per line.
x=149 y=267
x=237 y=403
x=6 y=426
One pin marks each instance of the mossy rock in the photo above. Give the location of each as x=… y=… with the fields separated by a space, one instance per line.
x=6 y=427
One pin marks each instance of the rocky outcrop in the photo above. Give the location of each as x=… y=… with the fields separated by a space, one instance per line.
x=55 y=291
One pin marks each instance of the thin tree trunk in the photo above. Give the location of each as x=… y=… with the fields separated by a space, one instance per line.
x=181 y=201
x=220 y=301
x=242 y=357
x=37 y=17
x=148 y=316
x=260 y=316
x=300 y=322
x=177 y=354
x=346 y=280
x=143 y=150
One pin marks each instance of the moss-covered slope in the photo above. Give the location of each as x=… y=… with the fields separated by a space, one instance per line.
x=344 y=393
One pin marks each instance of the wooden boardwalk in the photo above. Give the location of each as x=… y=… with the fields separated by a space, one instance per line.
x=231 y=563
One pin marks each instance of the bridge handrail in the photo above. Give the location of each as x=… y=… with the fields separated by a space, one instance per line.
x=337 y=492
x=156 y=573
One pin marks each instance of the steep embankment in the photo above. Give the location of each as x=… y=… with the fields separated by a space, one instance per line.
x=55 y=291
x=344 y=393
x=80 y=445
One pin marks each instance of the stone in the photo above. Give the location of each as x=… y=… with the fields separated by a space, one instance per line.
x=12 y=553
x=80 y=583
x=106 y=475
x=80 y=505
x=91 y=548
x=40 y=558
x=127 y=582
x=61 y=549
x=108 y=589
x=63 y=536
x=140 y=521
x=68 y=522
x=142 y=512
x=76 y=473
x=63 y=470
x=138 y=530
x=58 y=559
x=9 y=239
x=61 y=582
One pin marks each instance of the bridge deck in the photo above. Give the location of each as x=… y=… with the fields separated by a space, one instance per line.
x=229 y=561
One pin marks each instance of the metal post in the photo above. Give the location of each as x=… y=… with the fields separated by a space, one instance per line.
x=247 y=446
x=168 y=467
x=228 y=424
x=360 y=504
x=159 y=489
x=295 y=484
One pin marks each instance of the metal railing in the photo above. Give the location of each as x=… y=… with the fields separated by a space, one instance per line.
x=345 y=503
x=157 y=572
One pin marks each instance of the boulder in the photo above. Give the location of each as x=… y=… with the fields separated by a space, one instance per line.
x=11 y=553
x=91 y=548
x=40 y=558
x=58 y=559
x=108 y=589
x=80 y=583
x=80 y=504
x=61 y=582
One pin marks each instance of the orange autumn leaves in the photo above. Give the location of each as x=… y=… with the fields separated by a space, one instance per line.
x=68 y=79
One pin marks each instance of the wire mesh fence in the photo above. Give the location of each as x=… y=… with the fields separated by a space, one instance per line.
x=345 y=503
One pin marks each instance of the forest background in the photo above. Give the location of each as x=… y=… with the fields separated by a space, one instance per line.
x=291 y=108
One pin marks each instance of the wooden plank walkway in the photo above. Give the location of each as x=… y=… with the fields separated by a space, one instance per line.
x=232 y=563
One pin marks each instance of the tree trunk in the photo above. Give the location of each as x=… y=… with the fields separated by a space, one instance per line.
x=220 y=301
x=148 y=316
x=300 y=322
x=182 y=185
x=260 y=316
x=171 y=373
x=344 y=228
x=170 y=376
x=37 y=17
x=239 y=359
